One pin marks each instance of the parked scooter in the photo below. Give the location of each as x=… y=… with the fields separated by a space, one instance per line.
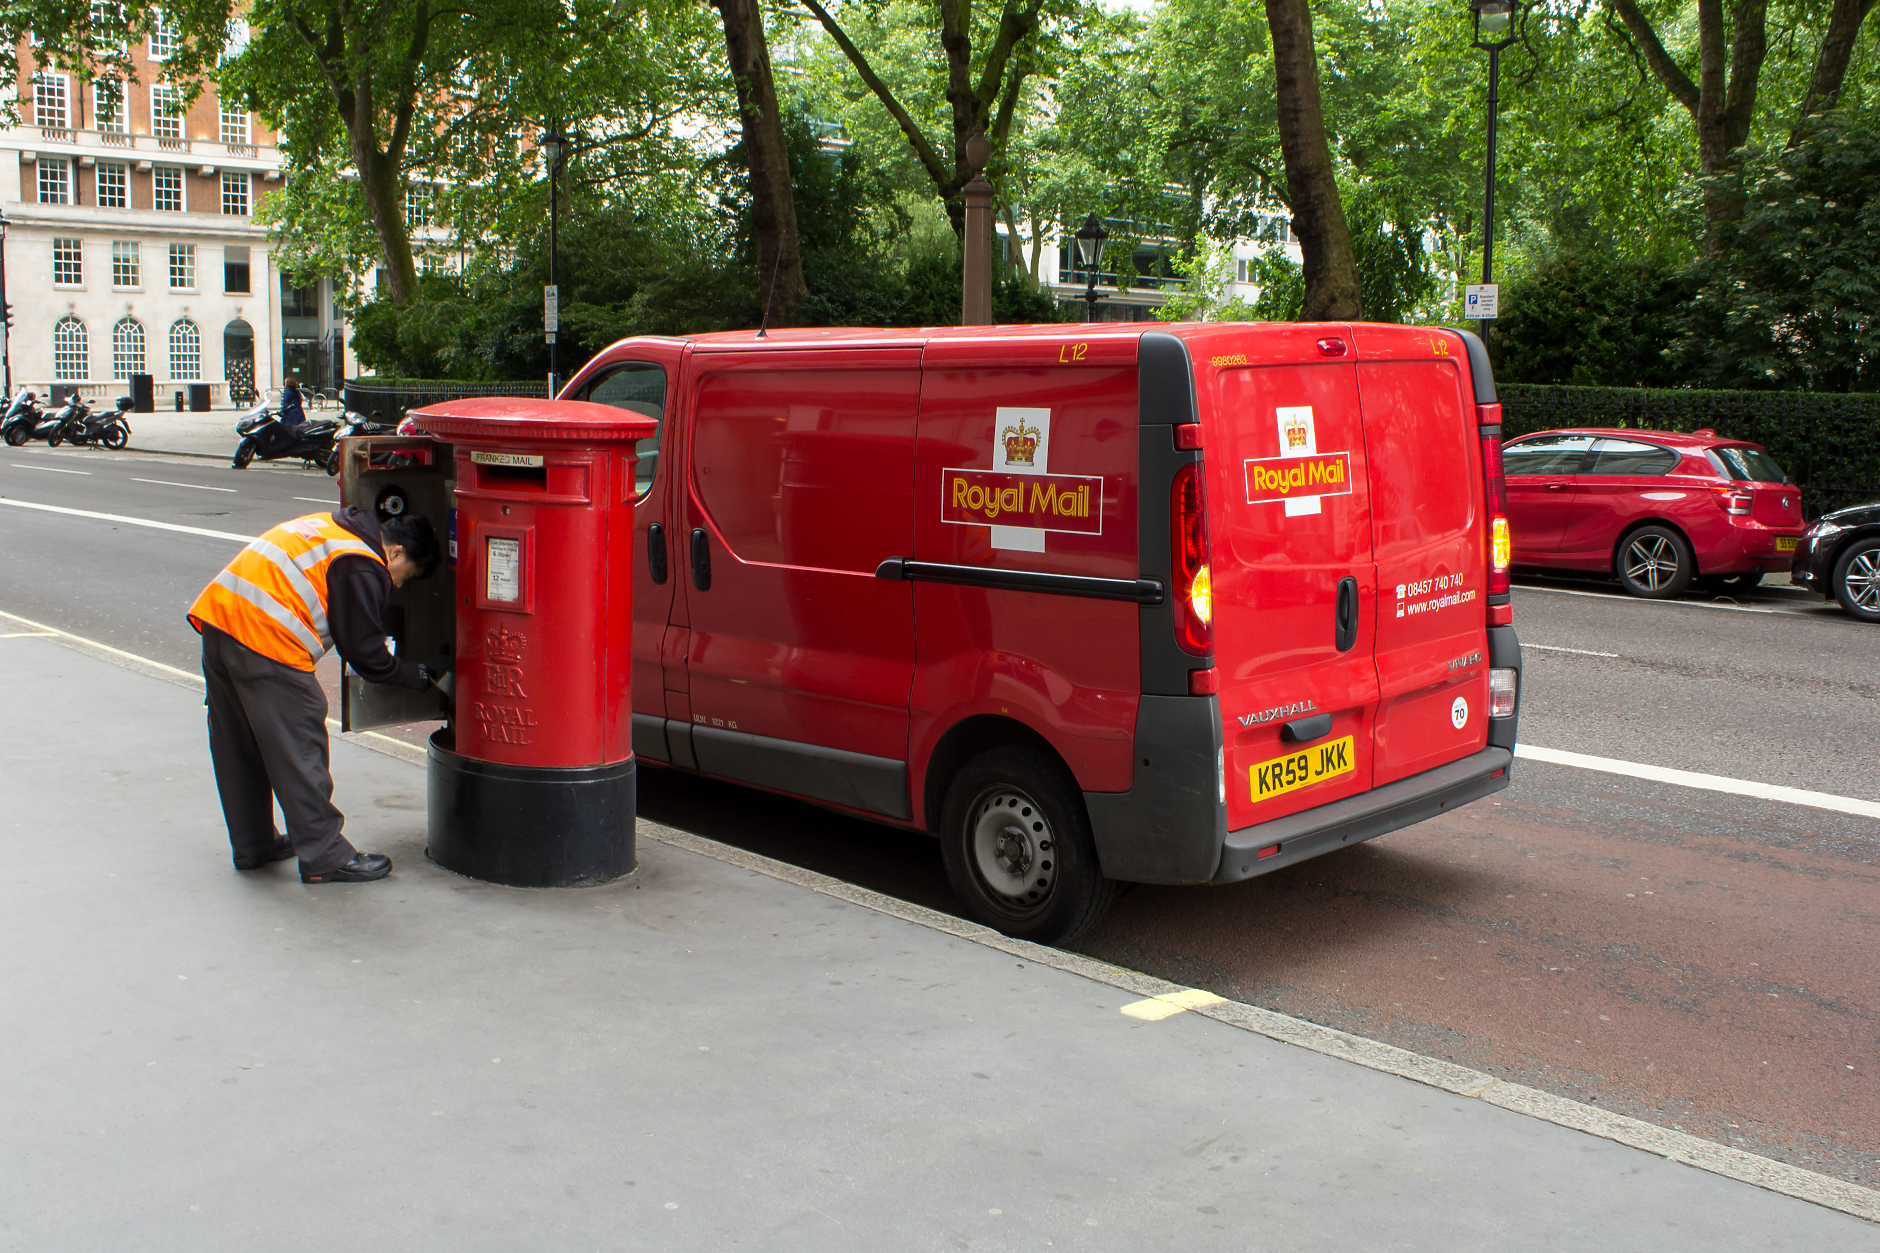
x=22 y=418
x=79 y=425
x=263 y=436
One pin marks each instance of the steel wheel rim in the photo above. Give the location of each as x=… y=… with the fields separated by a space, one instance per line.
x=1651 y=562
x=1863 y=582
x=1013 y=849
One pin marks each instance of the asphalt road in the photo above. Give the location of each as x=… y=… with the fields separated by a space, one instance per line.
x=1700 y=960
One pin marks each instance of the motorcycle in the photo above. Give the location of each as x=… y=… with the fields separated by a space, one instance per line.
x=79 y=425
x=22 y=418
x=263 y=436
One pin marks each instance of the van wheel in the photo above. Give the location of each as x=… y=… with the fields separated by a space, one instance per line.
x=1017 y=847
x=1655 y=561
x=1857 y=580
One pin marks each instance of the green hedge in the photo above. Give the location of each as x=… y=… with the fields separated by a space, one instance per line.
x=1828 y=443
x=394 y=397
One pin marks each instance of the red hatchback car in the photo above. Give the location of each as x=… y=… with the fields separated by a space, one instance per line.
x=1656 y=508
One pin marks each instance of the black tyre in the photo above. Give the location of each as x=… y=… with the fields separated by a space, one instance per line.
x=116 y=437
x=331 y=464
x=1017 y=847
x=18 y=435
x=244 y=453
x=1856 y=580
x=56 y=438
x=1654 y=561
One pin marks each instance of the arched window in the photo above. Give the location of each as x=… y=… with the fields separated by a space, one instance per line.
x=127 y=348
x=71 y=351
x=185 y=350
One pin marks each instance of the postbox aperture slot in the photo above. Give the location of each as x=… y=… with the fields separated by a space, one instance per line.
x=513 y=478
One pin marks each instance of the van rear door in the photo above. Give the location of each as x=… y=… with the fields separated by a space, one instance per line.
x=1295 y=590
x=1431 y=547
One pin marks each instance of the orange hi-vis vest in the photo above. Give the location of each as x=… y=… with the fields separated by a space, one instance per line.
x=272 y=597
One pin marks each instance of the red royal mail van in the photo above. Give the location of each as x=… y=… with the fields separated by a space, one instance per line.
x=1091 y=604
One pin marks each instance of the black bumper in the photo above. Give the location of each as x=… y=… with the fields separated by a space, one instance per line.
x=1302 y=836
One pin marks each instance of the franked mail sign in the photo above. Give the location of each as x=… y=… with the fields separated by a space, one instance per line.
x=1043 y=502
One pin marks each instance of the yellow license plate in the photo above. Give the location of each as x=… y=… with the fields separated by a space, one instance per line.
x=1785 y=543
x=1302 y=769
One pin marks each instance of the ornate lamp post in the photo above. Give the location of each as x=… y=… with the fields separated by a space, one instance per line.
x=554 y=148
x=1090 y=237
x=1494 y=30
x=6 y=314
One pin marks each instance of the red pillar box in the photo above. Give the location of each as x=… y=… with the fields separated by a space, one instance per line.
x=532 y=782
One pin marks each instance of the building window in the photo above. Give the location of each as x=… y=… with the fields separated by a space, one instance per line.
x=431 y=263
x=113 y=186
x=1240 y=271
x=166 y=188
x=235 y=44
x=182 y=267
x=127 y=348
x=55 y=181
x=235 y=269
x=235 y=192
x=162 y=39
x=68 y=262
x=166 y=111
x=126 y=267
x=69 y=350
x=234 y=127
x=49 y=108
x=417 y=205
x=185 y=350
x=107 y=105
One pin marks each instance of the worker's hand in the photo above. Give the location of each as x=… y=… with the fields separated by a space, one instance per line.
x=438 y=666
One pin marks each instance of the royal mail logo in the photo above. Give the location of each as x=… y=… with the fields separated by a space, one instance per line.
x=1297 y=434
x=503 y=645
x=1044 y=502
x=1289 y=478
x=1021 y=443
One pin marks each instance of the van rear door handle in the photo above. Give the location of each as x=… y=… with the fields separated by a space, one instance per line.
x=656 y=552
x=1305 y=730
x=1347 y=614
x=701 y=559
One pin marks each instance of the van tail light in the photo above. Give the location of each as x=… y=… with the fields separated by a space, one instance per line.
x=1733 y=500
x=1500 y=539
x=1501 y=693
x=1194 y=582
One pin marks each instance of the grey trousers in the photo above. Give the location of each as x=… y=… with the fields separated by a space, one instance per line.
x=267 y=737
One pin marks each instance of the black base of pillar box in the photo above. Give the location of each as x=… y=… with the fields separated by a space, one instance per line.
x=529 y=826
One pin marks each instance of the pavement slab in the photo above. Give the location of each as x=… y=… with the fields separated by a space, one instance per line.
x=698 y=1056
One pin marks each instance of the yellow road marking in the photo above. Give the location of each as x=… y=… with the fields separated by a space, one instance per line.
x=1167 y=1005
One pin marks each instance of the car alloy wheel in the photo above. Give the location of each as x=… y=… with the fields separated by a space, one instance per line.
x=1857 y=581
x=1655 y=562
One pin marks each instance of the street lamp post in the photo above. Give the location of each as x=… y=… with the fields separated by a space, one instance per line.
x=1090 y=237
x=554 y=148
x=6 y=314
x=1494 y=30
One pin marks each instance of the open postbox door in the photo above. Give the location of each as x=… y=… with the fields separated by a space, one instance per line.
x=396 y=475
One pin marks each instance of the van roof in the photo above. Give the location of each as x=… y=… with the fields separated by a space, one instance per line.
x=862 y=335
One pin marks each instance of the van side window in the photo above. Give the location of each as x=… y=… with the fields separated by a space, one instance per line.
x=1546 y=454
x=1623 y=456
x=637 y=387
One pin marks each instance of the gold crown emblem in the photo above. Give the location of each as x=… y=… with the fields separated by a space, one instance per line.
x=502 y=644
x=1296 y=434
x=1021 y=443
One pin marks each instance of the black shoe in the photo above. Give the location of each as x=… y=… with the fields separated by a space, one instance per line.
x=363 y=868
x=282 y=850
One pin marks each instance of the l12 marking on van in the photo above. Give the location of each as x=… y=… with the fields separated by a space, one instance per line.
x=1294 y=478
x=1302 y=769
x=1042 y=502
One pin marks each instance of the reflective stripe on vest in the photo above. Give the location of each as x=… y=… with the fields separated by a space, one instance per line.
x=273 y=596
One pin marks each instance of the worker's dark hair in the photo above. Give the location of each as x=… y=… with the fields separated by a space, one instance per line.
x=413 y=533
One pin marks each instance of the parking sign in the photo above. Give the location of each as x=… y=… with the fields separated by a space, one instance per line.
x=1479 y=300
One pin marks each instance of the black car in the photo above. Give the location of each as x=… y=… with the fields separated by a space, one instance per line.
x=1839 y=556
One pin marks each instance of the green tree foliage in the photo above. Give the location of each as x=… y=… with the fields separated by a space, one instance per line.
x=1591 y=319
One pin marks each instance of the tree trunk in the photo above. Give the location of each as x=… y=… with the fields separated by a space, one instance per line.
x=378 y=180
x=1331 y=266
x=1837 y=48
x=773 y=204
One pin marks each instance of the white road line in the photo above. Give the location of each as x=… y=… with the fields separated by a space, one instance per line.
x=48 y=469
x=118 y=517
x=1635 y=600
x=318 y=500
x=201 y=487
x=1578 y=652
x=1704 y=782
